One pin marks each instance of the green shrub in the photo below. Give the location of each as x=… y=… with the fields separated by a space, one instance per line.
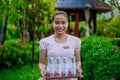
x=15 y=54
x=102 y=26
x=109 y=27
x=115 y=41
x=114 y=27
x=12 y=31
x=100 y=59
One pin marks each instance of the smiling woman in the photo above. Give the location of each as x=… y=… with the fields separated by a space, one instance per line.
x=60 y=23
x=60 y=45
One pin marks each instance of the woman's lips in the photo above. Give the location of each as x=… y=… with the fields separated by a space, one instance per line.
x=60 y=30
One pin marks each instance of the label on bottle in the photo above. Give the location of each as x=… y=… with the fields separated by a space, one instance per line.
x=51 y=66
x=64 y=66
x=73 y=65
x=58 y=67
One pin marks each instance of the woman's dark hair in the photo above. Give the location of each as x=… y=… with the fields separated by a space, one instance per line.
x=58 y=13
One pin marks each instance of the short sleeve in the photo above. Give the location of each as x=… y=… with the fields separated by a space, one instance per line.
x=42 y=44
x=78 y=43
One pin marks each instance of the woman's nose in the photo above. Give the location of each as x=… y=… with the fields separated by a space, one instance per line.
x=60 y=25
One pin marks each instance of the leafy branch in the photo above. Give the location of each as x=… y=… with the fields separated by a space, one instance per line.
x=115 y=3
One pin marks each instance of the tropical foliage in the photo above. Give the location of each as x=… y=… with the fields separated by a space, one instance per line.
x=27 y=17
x=13 y=54
x=25 y=22
x=109 y=27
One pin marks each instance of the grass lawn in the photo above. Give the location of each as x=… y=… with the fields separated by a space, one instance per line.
x=23 y=73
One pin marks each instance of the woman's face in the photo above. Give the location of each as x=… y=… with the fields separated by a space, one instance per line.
x=60 y=24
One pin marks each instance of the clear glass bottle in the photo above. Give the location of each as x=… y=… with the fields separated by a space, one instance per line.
x=64 y=66
x=73 y=65
x=51 y=66
x=58 y=67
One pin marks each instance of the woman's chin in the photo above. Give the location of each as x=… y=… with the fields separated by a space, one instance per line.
x=60 y=33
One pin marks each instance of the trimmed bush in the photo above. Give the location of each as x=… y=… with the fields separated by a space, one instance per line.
x=115 y=41
x=14 y=54
x=100 y=59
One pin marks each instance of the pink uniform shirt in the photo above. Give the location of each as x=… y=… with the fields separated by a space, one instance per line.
x=55 y=49
x=65 y=49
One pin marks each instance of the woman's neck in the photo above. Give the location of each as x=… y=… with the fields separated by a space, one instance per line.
x=63 y=36
x=60 y=38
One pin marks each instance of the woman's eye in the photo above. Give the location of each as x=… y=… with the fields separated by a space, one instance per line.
x=57 y=22
x=63 y=22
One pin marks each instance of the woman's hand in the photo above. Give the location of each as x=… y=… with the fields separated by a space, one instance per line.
x=78 y=68
x=42 y=69
x=43 y=72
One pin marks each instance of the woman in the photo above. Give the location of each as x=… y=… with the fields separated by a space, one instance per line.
x=60 y=44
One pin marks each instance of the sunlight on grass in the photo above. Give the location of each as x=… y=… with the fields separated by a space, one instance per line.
x=24 y=73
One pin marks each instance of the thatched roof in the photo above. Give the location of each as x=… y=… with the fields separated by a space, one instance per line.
x=97 y=5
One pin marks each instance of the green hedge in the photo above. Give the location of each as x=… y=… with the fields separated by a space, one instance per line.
x=115 y=41
x=100 y=58
x=13 y=54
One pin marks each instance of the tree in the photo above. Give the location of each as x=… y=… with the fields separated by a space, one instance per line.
x=4 y=22
x=35 y=10
x=28 y=16
x=115 y=3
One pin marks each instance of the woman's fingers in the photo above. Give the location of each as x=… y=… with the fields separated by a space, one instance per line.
x=43 y=73
x=80 y=72
x=81 y=76
x=42 y=69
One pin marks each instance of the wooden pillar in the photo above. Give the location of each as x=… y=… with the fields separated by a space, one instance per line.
x=77 y=23
x=69 y=32
x=94 y=21
x=90 y=24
